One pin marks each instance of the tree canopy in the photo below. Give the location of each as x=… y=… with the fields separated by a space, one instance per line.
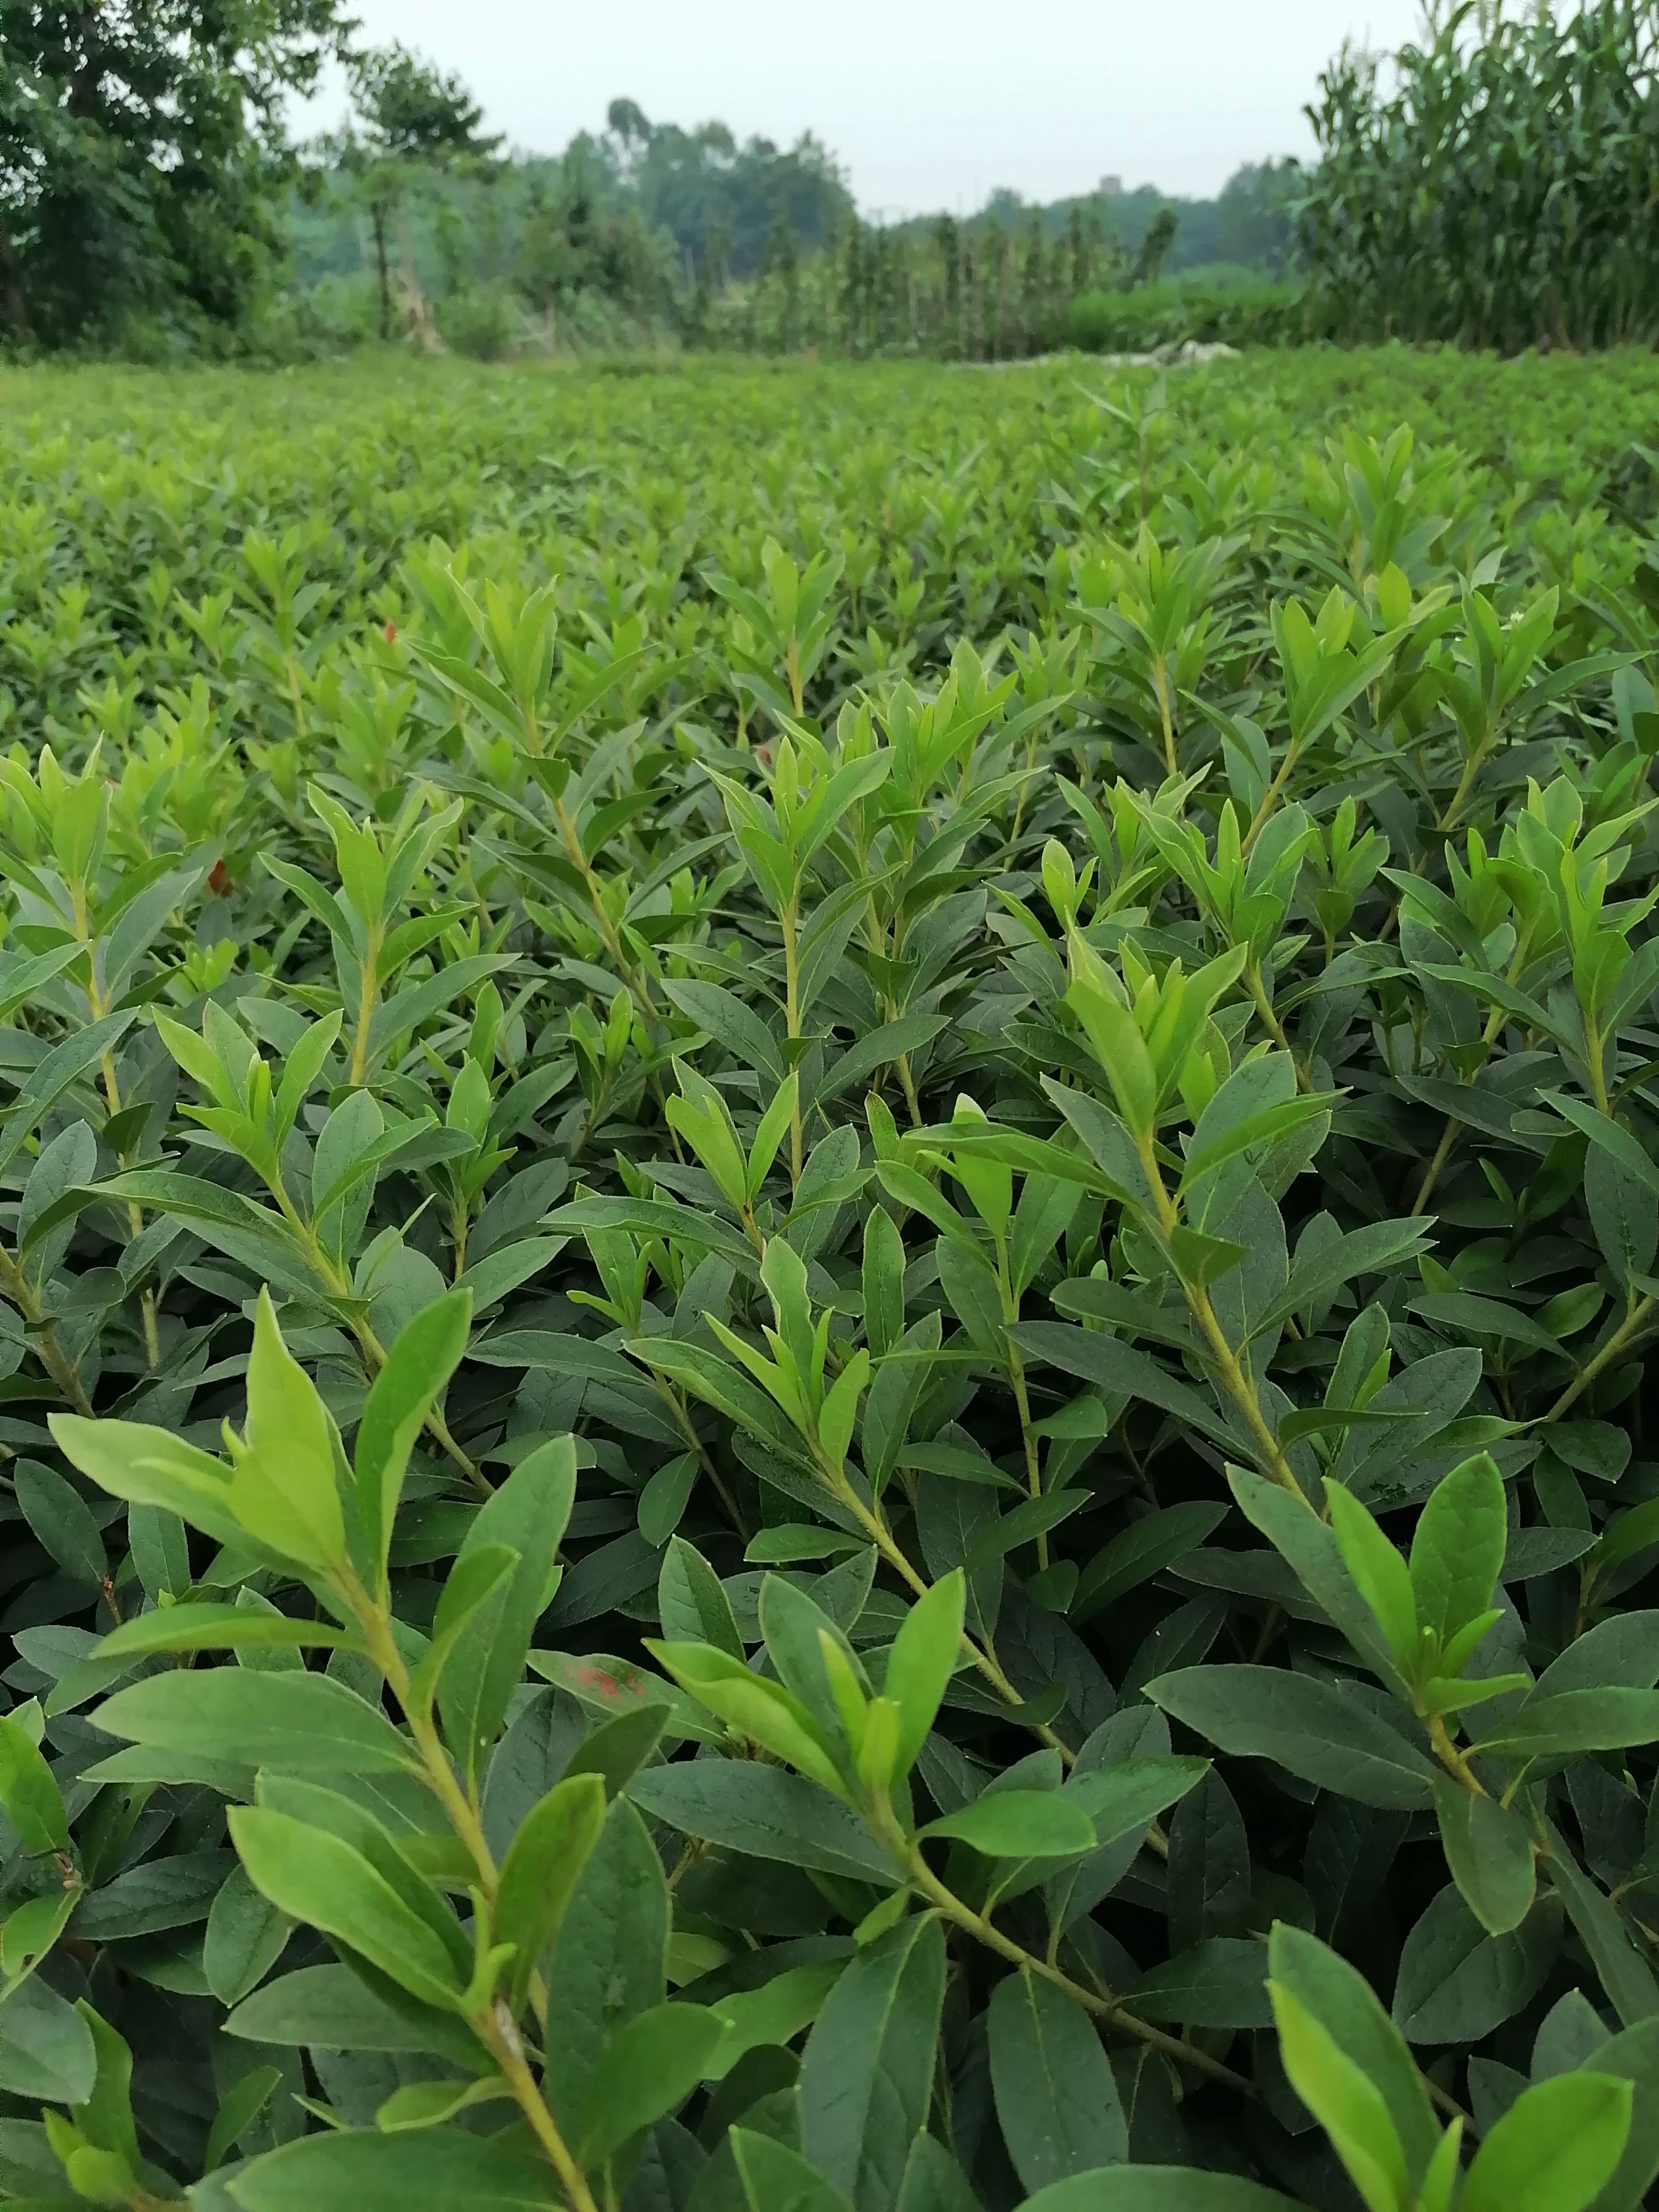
x=138 y=147
x=410 y=118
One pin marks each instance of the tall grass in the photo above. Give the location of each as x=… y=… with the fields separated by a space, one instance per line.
x=1498 y=185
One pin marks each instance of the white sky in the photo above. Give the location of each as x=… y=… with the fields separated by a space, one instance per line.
x=927 y=103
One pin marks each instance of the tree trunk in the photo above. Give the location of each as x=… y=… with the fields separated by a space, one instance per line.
x=377 y=215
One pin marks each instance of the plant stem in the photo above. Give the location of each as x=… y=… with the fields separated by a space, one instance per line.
x=985 y=1931
x=787 y=917
x=1594 y=1056
x=1460 y=796
x=682 y=1420
x=1166 y=716
x=601 y=922
x=440 y=1772
x=1016 y=1378
x=1269 y=799
x=1455 y=1762
x=97 y=1001
x=500 y=2033
x=48 y=1344
x=367 y=990
x=339 y=1286
x=1633 y=1324
x=874 y=1522
x=495 y=2025
x=1243 y=1392
x=1270 y=1021
x=1237 y=1383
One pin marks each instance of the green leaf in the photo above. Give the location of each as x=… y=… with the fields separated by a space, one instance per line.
x=608 y=1963
x=774 y=2013
x=60 y=1068
x=1346 y=2007
x=1019 y=1824
x=730 y=1023
x=764 y=1812
x=544 y=1863
x=774 y=2179
x=423 y=1355
x=751 y=1706
x=1625 y=1974
x=924 y=1654
x=650 y=2067
x=241 y=2106
x=1489 y=1854
x=429 y=2104
x=527 y=1516
x=433 y=2170
x=1219 y=1983
x=866 y=2077
x=62 y=1520
x=320 y=1879
x=617 y=1748
x=1311 y=1550
x=1380 y=1575
x=1056 y=2097
x=1604 y=1719
x=192 y=1627
x=933 y=2182
x=1308 y=1727
x=148 y=1467
x=882 y=1283
x=1158 y=2189
x=1349 y=2107
x=1553 y=2150
x=331 y=2008
x=691 y=1604
x=32 y=1800
x=47 y=2048
x=284 y=1488
x=1457 y=1552
x=152 y=1896
x=1120 y=1049
x=1142 y=1549
x=1457 y=1983
x=246 y=1936
x=295 y=1723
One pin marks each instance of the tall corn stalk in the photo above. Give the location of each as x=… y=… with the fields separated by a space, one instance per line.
x=1497 y=185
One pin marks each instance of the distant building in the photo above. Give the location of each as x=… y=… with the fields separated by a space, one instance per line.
x=1112 y=187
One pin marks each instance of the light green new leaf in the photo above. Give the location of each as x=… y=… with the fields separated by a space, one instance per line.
x=320 y=1879
x=1553 y=2148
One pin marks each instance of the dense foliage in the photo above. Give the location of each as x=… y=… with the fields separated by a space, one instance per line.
x=1244 y=311
x=644 y=220
x=141 y=155
x=824 y=1289
x=1250 y=223
x=686 y=238
x=1497 y=185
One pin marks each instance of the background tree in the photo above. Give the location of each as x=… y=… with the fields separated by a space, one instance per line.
x=140 y=148
x=694 y=183
x=411 y=120
x=1156 y=241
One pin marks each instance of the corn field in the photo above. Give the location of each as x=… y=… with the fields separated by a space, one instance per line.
x=1498 y=186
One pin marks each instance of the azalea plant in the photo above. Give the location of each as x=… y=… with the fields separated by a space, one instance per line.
x=825 y=1277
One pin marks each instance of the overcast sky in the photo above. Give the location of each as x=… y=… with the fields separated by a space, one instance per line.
x=927 y=103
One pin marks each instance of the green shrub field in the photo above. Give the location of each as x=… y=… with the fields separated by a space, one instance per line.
x=829 y=1233
x=1247 y=311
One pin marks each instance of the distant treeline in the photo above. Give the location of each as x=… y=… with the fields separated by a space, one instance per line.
x=1495 y=185
x=647 y=227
